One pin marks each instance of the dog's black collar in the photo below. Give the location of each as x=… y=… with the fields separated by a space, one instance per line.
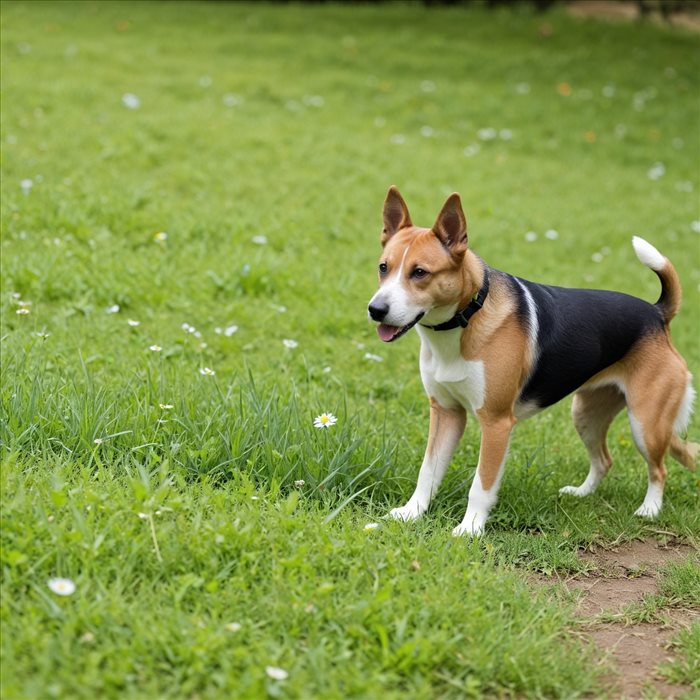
x=461 y=318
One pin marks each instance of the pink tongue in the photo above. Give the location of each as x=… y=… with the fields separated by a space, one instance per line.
x=386 y=333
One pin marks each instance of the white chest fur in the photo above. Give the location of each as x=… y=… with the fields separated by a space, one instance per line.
x=447 y=376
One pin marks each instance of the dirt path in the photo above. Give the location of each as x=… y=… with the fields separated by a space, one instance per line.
x=622 y=576
x=628 y=10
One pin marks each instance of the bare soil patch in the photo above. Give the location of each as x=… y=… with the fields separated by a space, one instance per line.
x=624 y=575
x=629 y=10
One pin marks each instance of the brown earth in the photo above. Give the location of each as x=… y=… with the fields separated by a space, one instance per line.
x=628 y=10
x=620 y=576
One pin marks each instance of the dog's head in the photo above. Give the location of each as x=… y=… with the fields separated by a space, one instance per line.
x=421 y=271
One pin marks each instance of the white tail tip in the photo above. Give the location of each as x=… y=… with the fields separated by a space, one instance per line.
x=648 y=255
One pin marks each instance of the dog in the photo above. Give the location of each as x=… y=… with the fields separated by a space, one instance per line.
x=503 y=348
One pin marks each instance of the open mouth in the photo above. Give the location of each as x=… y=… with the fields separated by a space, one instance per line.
x=391 y=333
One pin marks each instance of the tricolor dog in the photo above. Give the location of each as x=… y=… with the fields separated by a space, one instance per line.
x=504 y=348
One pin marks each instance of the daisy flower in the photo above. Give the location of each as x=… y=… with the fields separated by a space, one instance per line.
x=373 y=358
x=160 y=237
x=206 y=372
x=133 y=323
x=23 y=311
x=289 y=343
x=155 y=348
x=62 y=586
x=370 y=526
x=130 y=100
x=166 y=406
x=277 y=674
x=325 y=420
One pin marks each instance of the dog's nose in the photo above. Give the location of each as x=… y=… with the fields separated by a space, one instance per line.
x=378 y=310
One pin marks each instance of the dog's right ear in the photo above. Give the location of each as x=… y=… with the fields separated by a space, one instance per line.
x=396 y=214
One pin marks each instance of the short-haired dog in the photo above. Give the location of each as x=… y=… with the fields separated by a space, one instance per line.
x=503 y=349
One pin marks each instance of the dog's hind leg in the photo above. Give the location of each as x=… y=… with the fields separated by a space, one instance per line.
x=446 y=429
x=593 y=410
x=654 y=399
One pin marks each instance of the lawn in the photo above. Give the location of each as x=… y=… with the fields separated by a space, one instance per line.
x=191 y=206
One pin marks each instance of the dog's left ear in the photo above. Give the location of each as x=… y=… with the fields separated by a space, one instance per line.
x=451 y=226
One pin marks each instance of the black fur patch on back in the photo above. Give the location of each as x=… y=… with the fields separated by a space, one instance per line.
x=580 y=333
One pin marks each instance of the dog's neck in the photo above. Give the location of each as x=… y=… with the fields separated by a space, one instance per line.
x=471 y=276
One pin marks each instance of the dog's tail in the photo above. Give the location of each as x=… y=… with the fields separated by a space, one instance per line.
x=670 y=300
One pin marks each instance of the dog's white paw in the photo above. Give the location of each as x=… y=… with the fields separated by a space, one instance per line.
x=464 y=529
x=648 y=510
x=410 y=511
x=579 y=491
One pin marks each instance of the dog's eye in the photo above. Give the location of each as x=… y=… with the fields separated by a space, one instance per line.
x=383 y=268
x=419 y=273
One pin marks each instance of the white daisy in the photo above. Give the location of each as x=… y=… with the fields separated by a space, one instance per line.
x=370 y=526
x=277 y=674
x=155 y=348
x=160 y=237
x=133 y=323
x=325 y=420
x=299 y=482
x=206 y=372
x=114 y=309
x=165 y=406
x=551 y=234
x=487 y=134
x=230 y=99
x=230 y=330
x=26 y=185
x=62 y=586
x=314 y=100
x=373 y=358
x=657 y=171
x=98 y=441
x=130 y=100
x=22 y=311
x=259 y=240
x=530 y=236
x=289 y=343
x=233 y=626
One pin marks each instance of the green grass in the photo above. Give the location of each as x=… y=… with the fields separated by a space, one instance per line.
x=230 y=142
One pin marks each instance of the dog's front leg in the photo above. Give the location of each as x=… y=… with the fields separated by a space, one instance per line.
x=495 y=436
x=446 y=429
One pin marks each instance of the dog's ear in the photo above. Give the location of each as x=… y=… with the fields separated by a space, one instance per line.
x=396 y=214
x=451 y=226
